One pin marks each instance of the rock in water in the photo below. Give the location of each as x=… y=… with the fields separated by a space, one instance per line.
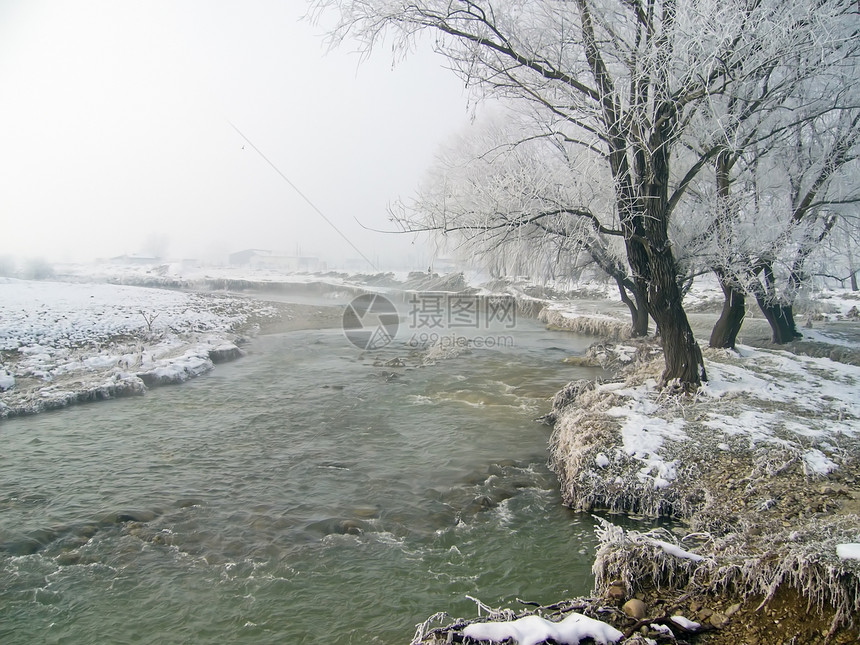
x=224 y=353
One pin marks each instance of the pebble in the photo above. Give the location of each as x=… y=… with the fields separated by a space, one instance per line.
x=718 y=620
x=635 y=608
x=615 y=592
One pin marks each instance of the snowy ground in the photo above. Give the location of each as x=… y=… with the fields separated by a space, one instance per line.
x=781 y=407
x=61 y=343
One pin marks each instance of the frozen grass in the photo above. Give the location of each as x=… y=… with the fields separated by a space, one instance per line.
x=762 y=462
x=570 y=319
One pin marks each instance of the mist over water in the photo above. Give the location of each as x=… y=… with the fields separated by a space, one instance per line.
x=302 y=494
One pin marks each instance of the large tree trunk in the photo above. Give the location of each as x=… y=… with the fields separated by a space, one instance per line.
x=724 y=335
x=682 y=355
x=642 y=194
x=728 y=325
x=780 y=316
x=649 y=252
x=656 y=272
x=778 y=312
x=640 y=325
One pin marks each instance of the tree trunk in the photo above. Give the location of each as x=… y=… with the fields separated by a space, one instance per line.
x=681 y=353
x=780 y=316
x=638 y=309
x=649 y=252
x=725 y=332
x=642 y=197
x=640 y=325
x=854 y=271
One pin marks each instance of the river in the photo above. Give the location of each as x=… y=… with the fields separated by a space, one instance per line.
x=302 y=494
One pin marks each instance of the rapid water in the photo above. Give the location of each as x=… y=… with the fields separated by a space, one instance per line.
x=303 y=494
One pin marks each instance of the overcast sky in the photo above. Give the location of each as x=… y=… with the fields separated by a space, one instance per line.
x=115 y=132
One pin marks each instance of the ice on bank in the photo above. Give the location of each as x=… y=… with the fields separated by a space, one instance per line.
x=531 y=630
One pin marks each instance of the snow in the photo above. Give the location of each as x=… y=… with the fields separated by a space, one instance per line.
x=781 y=377
x=675 y=550
x=848 y=551
x=643 y=435
x=601 y=460
x=534 y=629
x=692 y=625
x=757 y=396
x=60 y=338
x=830 y=338
x=816 y=462
x=37 y=316
x=7 y=381
x=577 y=310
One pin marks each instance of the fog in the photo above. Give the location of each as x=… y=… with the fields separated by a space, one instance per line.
x=161 y=127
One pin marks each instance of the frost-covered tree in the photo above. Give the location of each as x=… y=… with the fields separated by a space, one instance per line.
x=625 y=78
x=839 y=259
x=512 y=194
x=774 y=202
x=783 y=143
x=818 y=182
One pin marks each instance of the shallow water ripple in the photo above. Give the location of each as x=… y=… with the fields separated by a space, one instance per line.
x=299 y=495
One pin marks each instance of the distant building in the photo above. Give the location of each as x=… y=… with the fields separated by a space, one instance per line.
x=273 y=261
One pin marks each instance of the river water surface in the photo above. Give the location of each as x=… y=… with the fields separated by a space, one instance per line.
x=303 y=494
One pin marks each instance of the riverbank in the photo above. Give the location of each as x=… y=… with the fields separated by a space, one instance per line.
x=64 y=343
x=761 y=469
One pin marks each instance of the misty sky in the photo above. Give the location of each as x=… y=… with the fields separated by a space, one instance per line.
x=115 y=132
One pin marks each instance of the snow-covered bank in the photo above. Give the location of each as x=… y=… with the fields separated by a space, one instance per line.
x=760 y=470
x=762 y=463
x=64 y=343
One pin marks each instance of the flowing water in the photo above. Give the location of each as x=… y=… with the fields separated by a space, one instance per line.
x=303 y=494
